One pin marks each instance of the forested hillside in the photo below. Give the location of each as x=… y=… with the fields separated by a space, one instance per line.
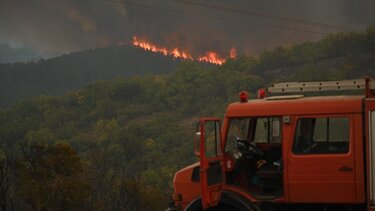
x=71 y=71
x=115 y=145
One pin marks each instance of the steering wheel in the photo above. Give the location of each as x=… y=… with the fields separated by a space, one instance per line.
x=244 y=154
x=248 y=149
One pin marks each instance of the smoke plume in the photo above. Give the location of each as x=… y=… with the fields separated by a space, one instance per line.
x=54 y=27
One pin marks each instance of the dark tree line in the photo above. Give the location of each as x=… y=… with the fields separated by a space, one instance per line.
x=58 y=75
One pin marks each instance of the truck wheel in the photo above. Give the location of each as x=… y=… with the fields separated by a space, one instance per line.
x=228 y=204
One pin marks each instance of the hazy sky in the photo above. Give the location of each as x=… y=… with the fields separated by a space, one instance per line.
x=60 y=26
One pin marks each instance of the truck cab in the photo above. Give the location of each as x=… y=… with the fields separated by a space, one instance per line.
x=284 y=150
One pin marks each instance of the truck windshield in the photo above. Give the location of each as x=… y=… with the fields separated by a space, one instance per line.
x=260 y=130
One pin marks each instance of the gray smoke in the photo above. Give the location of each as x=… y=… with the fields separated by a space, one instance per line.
x=60 y=26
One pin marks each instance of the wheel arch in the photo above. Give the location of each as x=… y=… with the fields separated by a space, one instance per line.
x=229 y=199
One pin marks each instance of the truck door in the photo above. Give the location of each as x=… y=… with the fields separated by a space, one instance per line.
x=211 y=159
x=321 y=164
x=370 y=150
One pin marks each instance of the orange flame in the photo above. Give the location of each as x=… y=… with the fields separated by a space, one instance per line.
x=210 y=56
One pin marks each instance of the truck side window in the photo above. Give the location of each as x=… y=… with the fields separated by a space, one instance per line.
x=212 y=135
x=268 y=130
x=321 y=136
x=252 y=129
x=238 y=130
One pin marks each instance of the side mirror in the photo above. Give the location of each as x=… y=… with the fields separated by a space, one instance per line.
x=197 y=143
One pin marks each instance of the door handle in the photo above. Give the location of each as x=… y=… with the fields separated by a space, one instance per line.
x=346 y=169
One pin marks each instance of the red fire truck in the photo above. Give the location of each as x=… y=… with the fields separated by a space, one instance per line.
x=285 y=152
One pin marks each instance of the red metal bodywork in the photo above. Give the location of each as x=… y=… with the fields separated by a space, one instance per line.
x=183 y=184
x=310 y=178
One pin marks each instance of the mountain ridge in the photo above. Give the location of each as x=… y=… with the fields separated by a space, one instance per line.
x=55 y=76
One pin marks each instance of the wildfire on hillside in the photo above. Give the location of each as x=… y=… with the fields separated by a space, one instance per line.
x=210 y=56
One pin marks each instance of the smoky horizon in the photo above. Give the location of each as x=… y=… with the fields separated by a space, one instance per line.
x=57 y=27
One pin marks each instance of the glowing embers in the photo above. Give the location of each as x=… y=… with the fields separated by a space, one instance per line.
x=210 y=56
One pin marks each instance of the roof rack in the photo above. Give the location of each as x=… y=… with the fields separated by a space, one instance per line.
x=317 y=86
